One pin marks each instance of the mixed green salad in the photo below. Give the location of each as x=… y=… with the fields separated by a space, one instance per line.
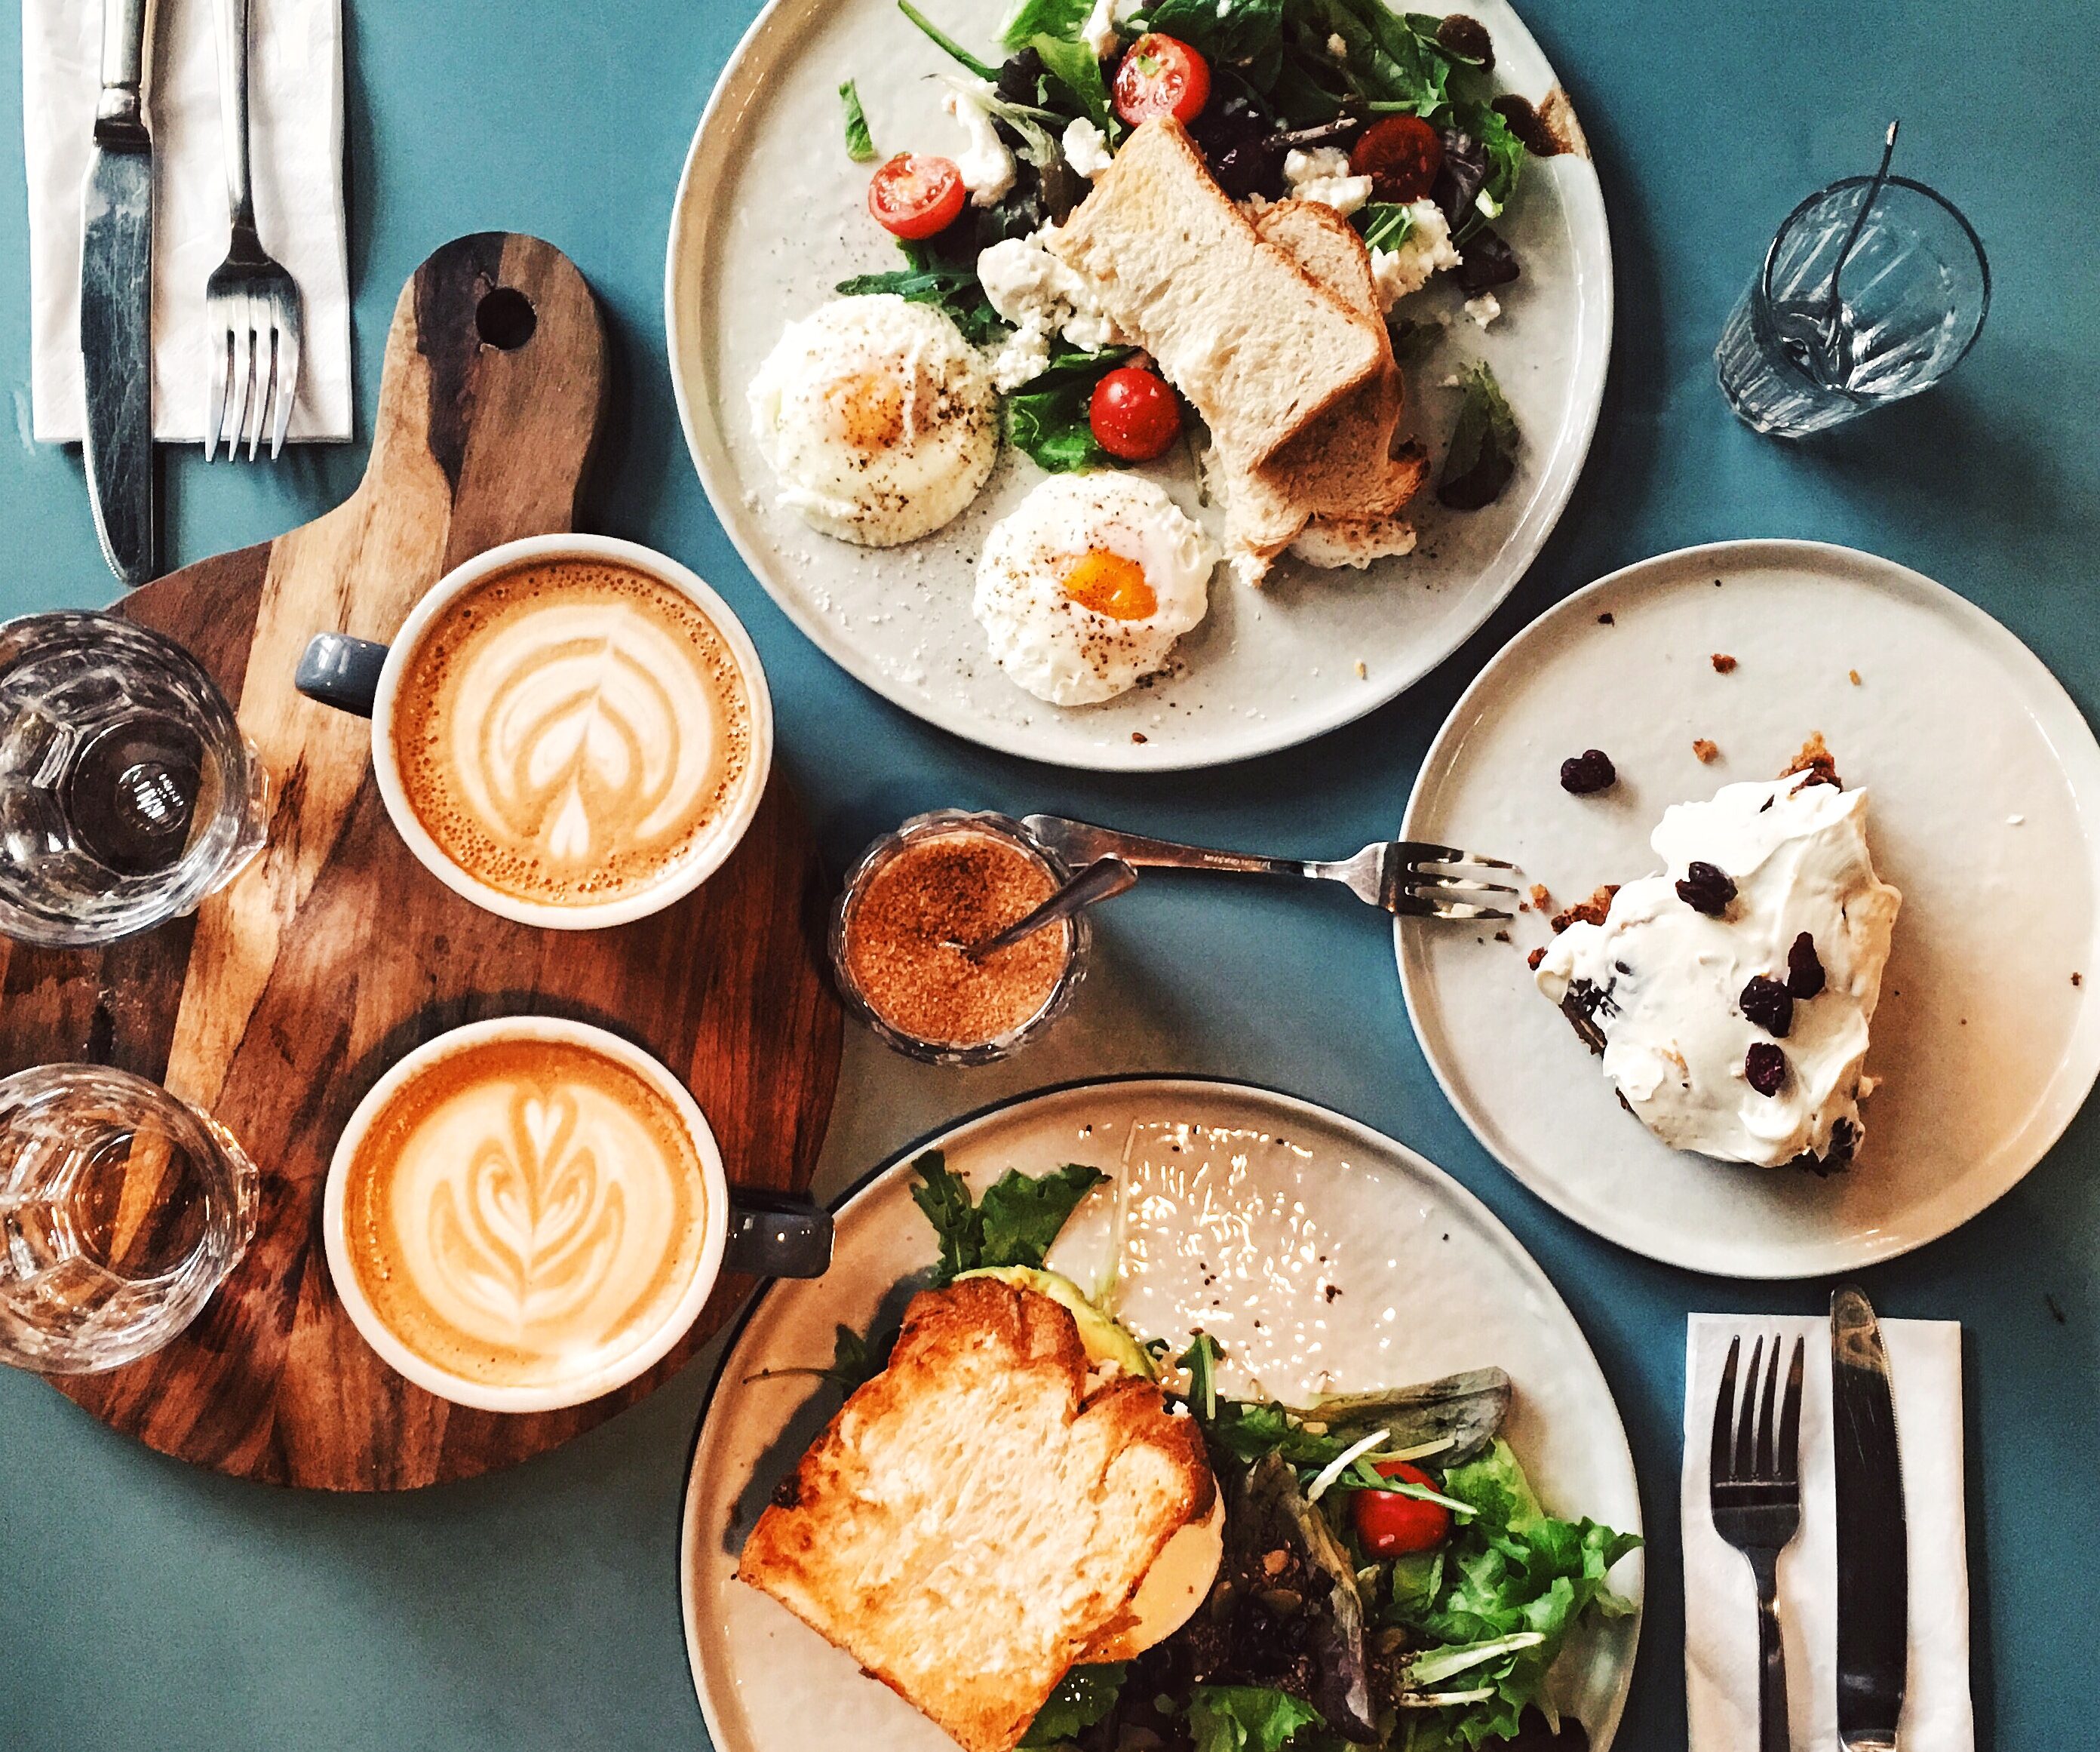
x=1390 y=1578
x=1265 y=88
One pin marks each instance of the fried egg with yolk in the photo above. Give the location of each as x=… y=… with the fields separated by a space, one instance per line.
x=1084 y=587
x=879 y=417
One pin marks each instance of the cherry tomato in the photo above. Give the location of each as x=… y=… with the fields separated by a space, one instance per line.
x=1401 y=156
x=1390 y=1525
x=1161 y=76
x=1133 y=414
x=915 y=195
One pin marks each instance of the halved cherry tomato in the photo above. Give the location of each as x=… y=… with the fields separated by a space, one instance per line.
x=1133 y=414
x=1401 y=156
x=1391 y=1525
x=1161 y=76
x=916 y=195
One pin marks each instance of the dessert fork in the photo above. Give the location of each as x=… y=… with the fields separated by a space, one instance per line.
x=1753 y=1486
x=1388 y=873
x=252 y=308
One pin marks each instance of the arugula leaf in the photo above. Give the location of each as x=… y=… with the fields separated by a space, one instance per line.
x=947 y=43
x=855 y=1361
x=1073 y=65
x=860 y=144
x=1083 y=1698
x=1015 y=1223
x=952 y=287
x=1413 y=339
x=1245 y=1718
x=1249 y=1428
x=1384 y=224
x=1061 y=19
x=1483 y=453
x=1046 y=417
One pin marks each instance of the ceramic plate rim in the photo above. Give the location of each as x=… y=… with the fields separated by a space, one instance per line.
x=694 y=213
x=2054 y=706
x=1467 y=1201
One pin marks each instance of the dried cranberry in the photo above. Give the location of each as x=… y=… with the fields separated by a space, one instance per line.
x=1466 y=39
x=1765 y=1067
x=1804 y=968
x=1769 y=1004
x=1526 y=124
x=1588 y=772
x=1706 y=888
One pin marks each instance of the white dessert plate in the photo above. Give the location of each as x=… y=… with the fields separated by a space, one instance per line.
x=770 y=216
x=1426 y=1281
x=1982 y=776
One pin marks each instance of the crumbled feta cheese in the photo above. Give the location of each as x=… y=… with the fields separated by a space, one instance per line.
x=1484 y=309
x=1426 y=249
x=1322 y=175
x=1337 y=47
x=1086 y=147
x=1041 y=297
x=988 y=166
x=1099 y=32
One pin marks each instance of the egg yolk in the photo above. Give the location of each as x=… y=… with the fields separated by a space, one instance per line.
x=870 y=410
x=1111 y=584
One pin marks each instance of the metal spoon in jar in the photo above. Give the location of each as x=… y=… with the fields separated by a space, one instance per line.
x=1100 y=881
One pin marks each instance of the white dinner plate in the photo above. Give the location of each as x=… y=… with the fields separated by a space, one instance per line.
x=1982 y=776
x=1425 y=1283
x=770 y=216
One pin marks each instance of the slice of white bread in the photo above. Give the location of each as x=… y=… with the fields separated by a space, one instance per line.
x=972 y=1518
x=1254 y=342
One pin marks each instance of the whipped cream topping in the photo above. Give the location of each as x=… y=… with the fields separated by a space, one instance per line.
x=1661 y=983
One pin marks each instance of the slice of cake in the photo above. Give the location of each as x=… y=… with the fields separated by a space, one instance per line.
x=1731 y=995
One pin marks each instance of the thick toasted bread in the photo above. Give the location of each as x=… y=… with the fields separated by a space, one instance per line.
x=972 y=1519
x=1238 y=326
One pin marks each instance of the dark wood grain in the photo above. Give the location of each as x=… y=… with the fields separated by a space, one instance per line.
x=281 y=1002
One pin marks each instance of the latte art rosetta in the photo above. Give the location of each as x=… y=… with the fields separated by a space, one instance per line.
x=570 y=732
x=525 y=1211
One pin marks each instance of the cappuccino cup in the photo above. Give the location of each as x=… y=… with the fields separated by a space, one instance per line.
x=569 y=731
x=525 y=1213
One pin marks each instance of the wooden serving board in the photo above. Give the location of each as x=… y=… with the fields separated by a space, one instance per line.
x=282 y=1001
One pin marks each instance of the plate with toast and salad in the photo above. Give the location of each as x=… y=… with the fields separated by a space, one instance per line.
x=1138 y=386
x=1161 y=1414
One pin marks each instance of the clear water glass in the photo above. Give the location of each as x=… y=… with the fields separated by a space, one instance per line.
x=122 y=1210
x=127 y=792
x=1914 y=294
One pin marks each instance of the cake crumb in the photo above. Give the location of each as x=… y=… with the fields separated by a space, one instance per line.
x=1708 y=751
x=2077 y=979
x=1816 y=762
x=1540 y=897
x=1723 y=663
x=1139 y=735
x=1363 y=674
x=1535 y=957
x=1606 y=620
x=1593 y=910
x=1502 y=937
x=1853 y=674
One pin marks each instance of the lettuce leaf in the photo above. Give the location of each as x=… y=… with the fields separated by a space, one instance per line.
x=1083 y=1698
x=1482 y=455
x=860 y=143
x=1073 y=65
x=1047 y=418
x=1245 y=1718
x=1013 y=1225
x=1063 y=19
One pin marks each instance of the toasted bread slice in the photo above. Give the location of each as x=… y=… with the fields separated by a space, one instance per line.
x=972 y=1518
x=1260 y=348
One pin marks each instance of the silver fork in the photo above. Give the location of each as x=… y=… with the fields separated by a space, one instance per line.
x=1754 y=1484
x=251 y=304
x=1389 y=873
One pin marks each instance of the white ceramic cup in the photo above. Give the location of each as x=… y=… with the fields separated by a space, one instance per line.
x=785 y=1238
x=359 y=676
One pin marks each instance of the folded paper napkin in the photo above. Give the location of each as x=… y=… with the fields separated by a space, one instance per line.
x=295 y=106
x=1720 y=1601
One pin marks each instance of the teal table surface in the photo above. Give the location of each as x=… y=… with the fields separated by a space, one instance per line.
x=144 y=1605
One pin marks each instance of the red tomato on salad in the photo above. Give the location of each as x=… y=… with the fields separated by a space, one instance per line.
x=1401 y=156
x=916 y=195
x=1161 y=76
x=1390 y=1525
x=1133 y=414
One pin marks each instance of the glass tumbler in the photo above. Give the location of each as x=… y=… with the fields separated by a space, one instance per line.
x=1913 y=293
x=121 y=1209
x=127 y=793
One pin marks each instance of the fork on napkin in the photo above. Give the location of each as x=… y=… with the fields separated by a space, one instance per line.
x=297 y=115
x=1720 y=1603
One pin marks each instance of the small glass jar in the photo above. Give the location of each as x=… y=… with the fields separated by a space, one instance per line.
x=1066 y=944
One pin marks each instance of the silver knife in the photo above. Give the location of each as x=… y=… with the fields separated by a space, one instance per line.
x=1873 y=1548
x=116 y=301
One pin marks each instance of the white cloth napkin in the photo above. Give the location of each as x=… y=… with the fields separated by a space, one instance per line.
x=295 y=109
x=1720 y=1601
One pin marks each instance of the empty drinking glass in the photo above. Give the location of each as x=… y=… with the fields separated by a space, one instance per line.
x=122 y=1210
x=1911 y=302
x=127 y=793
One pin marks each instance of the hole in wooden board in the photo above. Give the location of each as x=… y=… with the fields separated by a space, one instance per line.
x=505 y=318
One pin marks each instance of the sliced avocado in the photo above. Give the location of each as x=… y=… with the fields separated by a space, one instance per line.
x=1105 y=1339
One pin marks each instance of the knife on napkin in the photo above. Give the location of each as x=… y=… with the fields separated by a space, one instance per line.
x=1873 y=1546
x=116 y=301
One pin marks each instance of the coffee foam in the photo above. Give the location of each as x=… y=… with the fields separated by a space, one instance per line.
x=572 y=732
x=524 y=1213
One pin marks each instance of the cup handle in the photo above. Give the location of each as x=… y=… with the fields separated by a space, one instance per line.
x=777 y=1237
x=342 y=672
